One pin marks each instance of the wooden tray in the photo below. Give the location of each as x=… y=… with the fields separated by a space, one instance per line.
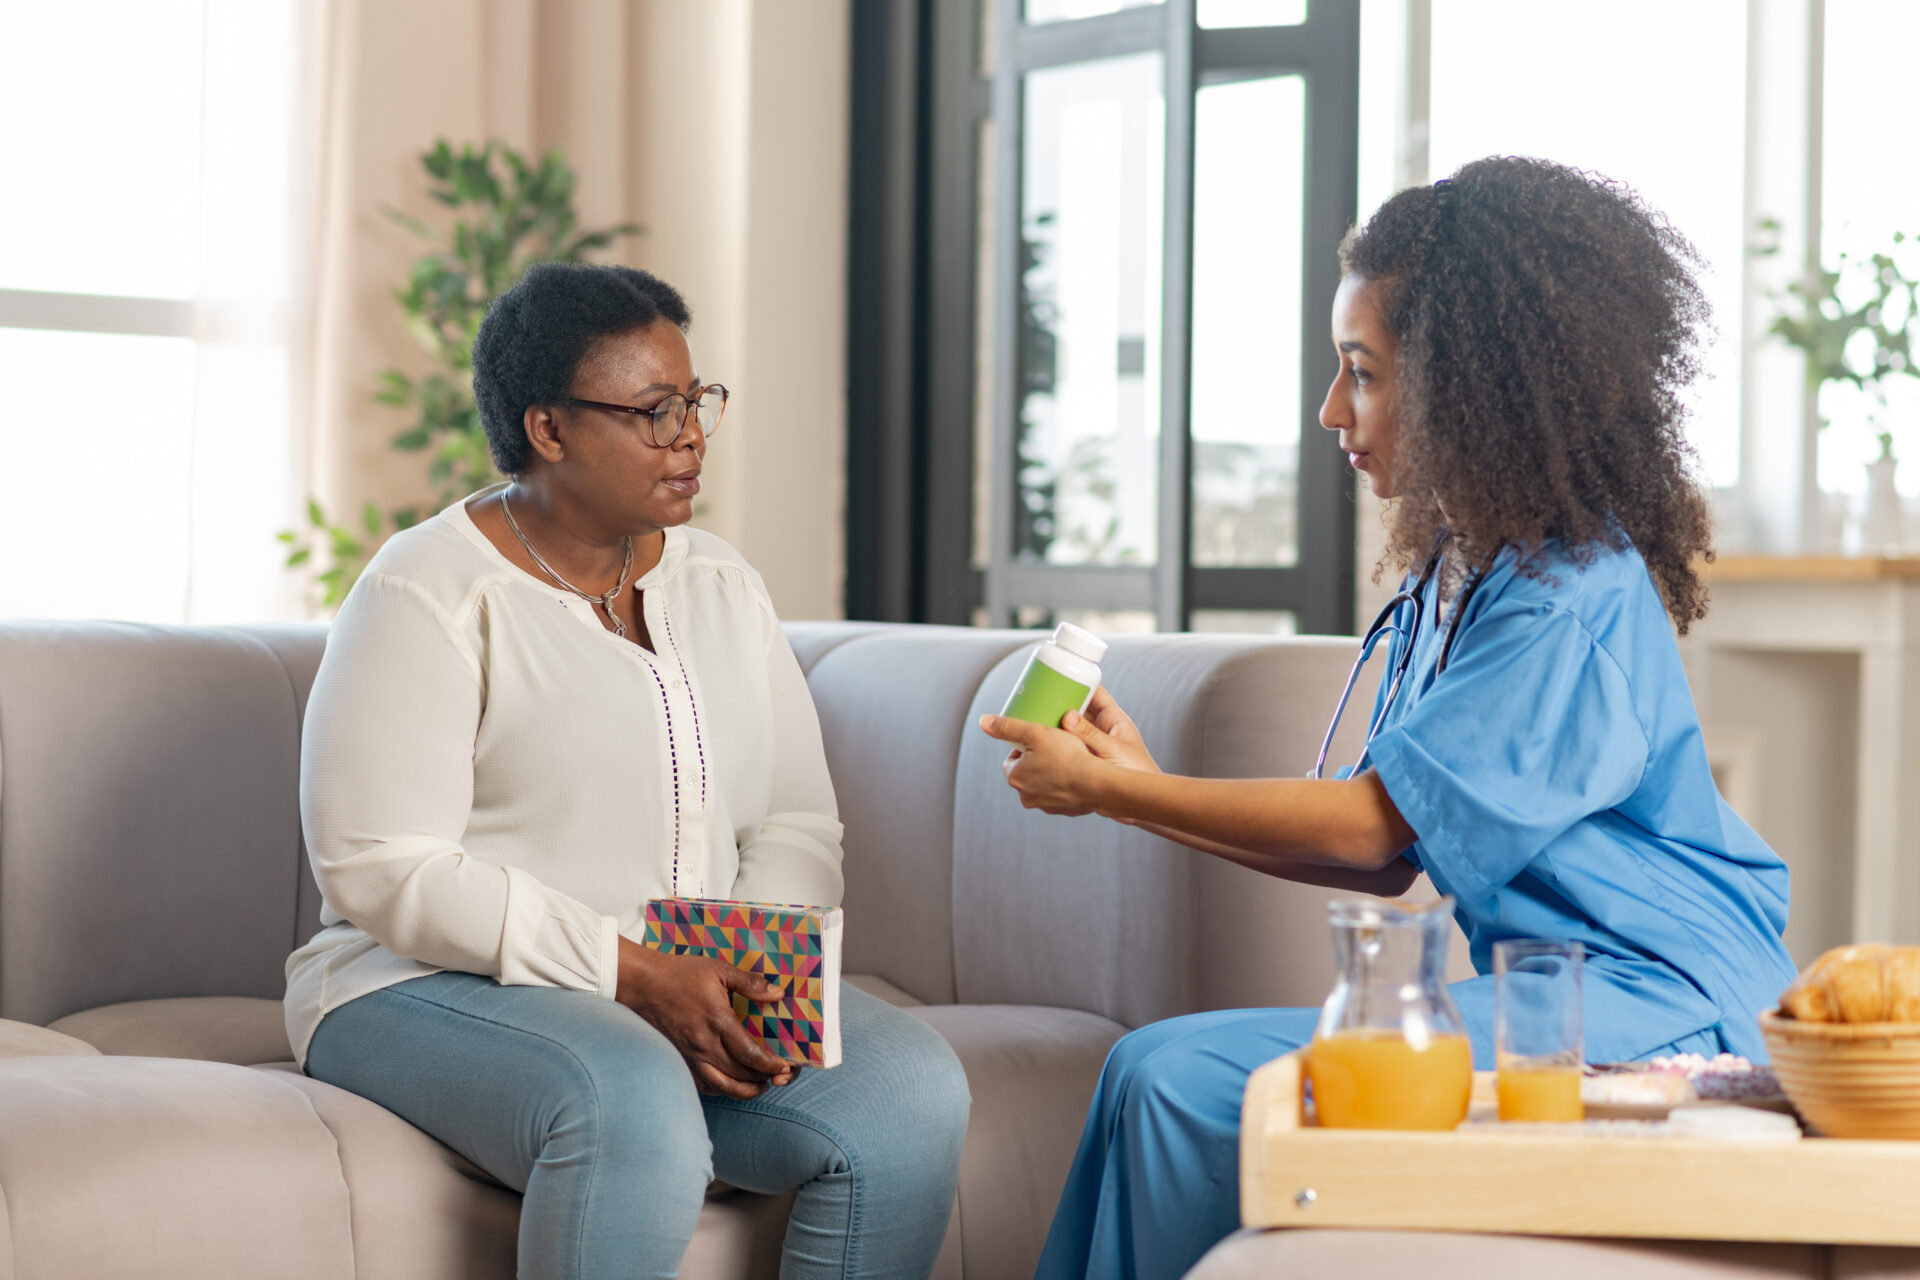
x=1817 y=1190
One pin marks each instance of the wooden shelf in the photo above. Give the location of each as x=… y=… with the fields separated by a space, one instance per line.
x=1742 y=568
x=1817 y=1190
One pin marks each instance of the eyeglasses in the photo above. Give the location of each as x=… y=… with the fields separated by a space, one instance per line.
x=666 y=420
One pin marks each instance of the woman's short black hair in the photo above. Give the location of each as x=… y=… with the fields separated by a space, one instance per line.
x=535 y=334
x=1549 y=324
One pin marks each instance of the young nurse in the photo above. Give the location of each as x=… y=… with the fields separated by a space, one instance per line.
x=1514 y=345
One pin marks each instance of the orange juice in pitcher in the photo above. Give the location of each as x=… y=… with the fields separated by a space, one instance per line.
x=1372 y=1078
x=1390 y=1051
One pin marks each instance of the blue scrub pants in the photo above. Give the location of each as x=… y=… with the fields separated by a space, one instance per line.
x=586 y=1109
x=1156 y=1181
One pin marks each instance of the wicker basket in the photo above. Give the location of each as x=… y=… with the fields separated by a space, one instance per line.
x=1849 y=1079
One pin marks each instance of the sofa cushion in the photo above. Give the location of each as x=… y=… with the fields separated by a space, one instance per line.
x=141 y=1167
x=239 y=1029
x=1031 y=1071
x=880 y=989
x=422 y=1212
x=24 y=1040
x=417 y=1213
x=1438 y=1255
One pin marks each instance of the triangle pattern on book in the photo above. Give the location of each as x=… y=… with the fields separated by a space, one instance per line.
x=781 y=943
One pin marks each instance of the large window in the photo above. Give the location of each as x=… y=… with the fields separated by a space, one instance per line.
x=1741 y=113
x=1582 y=72
x=144 y=316
x=1868 y=196
x=1106 y=243
x=1089 y=300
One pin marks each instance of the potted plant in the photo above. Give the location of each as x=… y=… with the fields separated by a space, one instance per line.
x=509 y=212
x=1853 y=324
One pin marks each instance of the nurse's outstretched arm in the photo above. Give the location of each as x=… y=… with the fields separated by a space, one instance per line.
x=1297 y=828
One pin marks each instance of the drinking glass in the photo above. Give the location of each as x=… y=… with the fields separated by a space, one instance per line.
x=1537 y=1036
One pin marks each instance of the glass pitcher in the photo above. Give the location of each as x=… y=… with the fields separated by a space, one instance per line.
x=1390 y=1050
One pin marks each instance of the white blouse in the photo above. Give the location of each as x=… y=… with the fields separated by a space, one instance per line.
x=493 y=782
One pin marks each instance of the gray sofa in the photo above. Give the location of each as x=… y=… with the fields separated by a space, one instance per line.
x=152 y=883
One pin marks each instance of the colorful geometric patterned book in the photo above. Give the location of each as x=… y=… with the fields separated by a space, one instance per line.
x=797 y=947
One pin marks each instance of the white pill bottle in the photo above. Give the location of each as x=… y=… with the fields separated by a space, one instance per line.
x=1059 y=677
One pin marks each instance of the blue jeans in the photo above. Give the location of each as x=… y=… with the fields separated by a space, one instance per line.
x=1156 y=1182
x=582 y=1106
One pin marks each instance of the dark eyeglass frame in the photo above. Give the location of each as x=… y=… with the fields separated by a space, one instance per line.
x=653 y=413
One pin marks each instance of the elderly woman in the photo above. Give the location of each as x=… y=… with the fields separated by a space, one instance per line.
x=537 y=710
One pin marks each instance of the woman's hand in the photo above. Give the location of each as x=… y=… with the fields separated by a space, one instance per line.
x=1058 y=770
x=1053 y=769
x=1110 y=733
x=689 y=1000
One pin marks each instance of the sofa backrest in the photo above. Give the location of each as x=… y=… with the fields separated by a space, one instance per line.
x=150 y=834
x=149 y=811
x=956 y=893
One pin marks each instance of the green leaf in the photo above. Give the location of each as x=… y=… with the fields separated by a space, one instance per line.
x=286 y=535
x=416 y=438
x=315 y=515
x=406 y=518
x=370 y=520
x=299 y=557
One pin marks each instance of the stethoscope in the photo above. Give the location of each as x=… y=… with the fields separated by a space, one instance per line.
x=1387 y=623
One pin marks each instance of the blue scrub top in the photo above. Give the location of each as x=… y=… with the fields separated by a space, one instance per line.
x=1558 y=785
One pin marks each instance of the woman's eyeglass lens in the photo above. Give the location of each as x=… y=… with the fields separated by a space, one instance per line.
x=666 y=420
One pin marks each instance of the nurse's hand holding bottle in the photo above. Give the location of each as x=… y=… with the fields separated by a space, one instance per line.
x=1059 y=780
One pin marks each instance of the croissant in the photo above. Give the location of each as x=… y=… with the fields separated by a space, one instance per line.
x=1870 y=982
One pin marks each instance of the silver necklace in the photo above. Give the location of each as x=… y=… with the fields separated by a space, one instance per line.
x=605 y=601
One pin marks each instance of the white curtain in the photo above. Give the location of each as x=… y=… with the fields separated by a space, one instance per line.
x=259 y=172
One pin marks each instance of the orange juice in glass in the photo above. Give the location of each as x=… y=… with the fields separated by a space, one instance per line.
x=1537 y=1029
x=1390 y=1050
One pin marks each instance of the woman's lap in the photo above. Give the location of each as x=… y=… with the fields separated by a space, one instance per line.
x=1156 y=1180
x=495 y=1072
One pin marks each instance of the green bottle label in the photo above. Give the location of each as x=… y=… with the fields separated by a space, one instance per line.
x=1044 y=696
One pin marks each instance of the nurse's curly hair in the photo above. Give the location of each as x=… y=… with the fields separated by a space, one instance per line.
x=1549 y=322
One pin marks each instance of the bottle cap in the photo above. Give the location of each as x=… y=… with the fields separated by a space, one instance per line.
x=1080 y=642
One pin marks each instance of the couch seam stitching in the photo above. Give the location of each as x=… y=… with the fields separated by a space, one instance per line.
x=340 y=1166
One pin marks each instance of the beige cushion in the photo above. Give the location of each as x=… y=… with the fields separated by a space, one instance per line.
x=1031 y=1072
x=880 y=989
x=237 y=1029
x=144 y=1167
x=738 y=1237
x=417 y=1214
x=24 y=1040
x=1433 y=1255
x=421 y=1212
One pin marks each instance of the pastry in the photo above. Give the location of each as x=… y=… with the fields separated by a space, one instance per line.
x=1870 y=982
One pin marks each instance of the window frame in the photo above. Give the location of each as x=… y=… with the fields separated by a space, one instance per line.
x=919 y=101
